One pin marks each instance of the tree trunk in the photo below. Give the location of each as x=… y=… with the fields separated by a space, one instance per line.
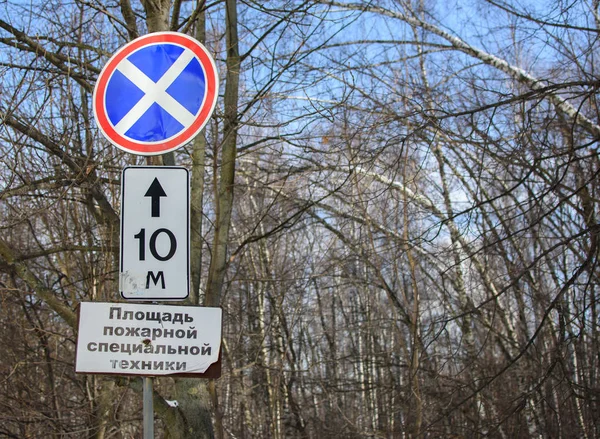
x=224 y=201
x=192 y=418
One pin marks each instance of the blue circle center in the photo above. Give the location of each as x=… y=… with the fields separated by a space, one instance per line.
x=156 y=124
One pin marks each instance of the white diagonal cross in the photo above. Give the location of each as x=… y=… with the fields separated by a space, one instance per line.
x=155 y=92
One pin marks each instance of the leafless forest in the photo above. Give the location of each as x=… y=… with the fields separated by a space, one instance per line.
x=395 y=203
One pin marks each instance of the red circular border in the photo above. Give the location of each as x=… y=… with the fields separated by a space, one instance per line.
x=146 y=148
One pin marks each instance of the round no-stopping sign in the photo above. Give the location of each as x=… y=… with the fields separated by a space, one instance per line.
x=156 y=93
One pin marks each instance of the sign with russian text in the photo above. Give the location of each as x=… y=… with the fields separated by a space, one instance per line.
x=150 y=340
x=155 y=233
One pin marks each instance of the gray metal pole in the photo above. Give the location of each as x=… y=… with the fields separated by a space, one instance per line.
x=148 y=408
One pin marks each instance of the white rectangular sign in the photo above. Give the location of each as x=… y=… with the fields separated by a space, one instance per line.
x=155 y=233
x=142 y=339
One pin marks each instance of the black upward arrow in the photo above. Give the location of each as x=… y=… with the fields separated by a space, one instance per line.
x=155 y=191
